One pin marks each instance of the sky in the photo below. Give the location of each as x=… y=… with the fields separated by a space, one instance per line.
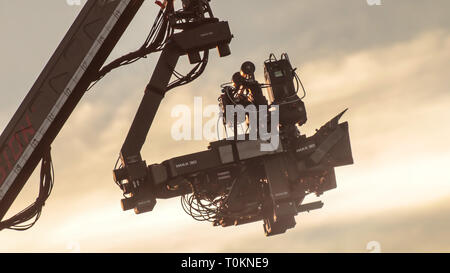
x=389 y=64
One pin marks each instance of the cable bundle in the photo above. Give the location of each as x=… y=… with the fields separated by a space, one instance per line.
x=201 y=208
x=155 y=41
x=159 y=36
x=33 y=211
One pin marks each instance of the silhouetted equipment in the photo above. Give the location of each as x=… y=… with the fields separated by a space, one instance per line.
x=280 y=77
x=200 y=32
x=234 y=181
x=77 y=64
x=58 y=89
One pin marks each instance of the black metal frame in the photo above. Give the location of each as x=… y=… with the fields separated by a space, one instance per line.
x=92 y=36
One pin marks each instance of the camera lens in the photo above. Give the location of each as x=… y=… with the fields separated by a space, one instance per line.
x=237 y=79
x=224 y=50
x=248 y=68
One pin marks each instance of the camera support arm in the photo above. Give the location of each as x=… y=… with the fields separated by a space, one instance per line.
x=202 y=37
x=154 y=93
x=134 y=168
x=58 y=90
x=217 y=169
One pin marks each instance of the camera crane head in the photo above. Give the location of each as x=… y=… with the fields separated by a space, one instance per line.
x=235 y=181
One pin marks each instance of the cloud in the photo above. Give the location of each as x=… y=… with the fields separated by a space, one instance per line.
x=407 y=229
x=84 y=207
x=398 y=104
x=394 y=80
x=326 y=28
x=422 y=228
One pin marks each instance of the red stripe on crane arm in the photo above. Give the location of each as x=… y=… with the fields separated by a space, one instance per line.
x=63 y=98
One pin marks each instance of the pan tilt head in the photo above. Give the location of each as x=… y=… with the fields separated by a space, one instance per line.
x=136 y=186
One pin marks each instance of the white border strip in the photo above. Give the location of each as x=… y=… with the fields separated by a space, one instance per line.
x=63 y=98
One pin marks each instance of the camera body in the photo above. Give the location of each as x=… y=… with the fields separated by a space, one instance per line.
x=236 y=182
x=280 y=76
x=282 y=92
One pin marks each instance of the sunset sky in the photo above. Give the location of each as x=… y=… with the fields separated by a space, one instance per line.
x=389 y=64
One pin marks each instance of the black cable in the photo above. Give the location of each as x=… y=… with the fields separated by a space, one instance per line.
x=158 y=37
x=196 y=72
x=20 y=221
x=297 y=79
x=205 y=209
x=272 y=57
x=200 y=208
x=155 y=41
